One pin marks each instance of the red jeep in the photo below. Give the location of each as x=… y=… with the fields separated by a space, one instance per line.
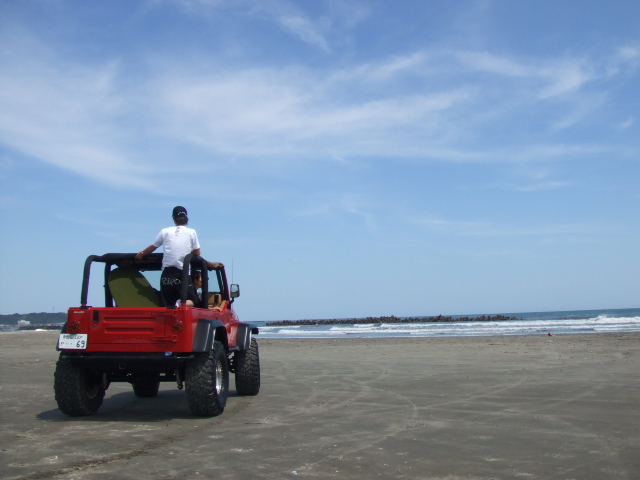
x=135 y=338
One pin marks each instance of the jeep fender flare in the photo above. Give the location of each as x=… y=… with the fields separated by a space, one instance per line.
x=207 y=332
x=243 y=335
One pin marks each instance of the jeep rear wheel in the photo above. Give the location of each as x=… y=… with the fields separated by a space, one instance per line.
x=146 y=384
x=247 y=366
x=78 y=391
x=207 y=382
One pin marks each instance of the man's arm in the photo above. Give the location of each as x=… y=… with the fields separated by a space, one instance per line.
x=145 y=252
x=196 y=251
x=214 y=265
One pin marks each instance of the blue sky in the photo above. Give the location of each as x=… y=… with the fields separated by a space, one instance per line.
x=348 y=158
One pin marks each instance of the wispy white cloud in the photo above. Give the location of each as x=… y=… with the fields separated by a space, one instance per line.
x=383 y=69
x=491 y=229
x=442 y=225
x=545 y=152
x=305 y=29
x=530 y=178
x=565 y=77
x=273 y=112
x=629 y=53
x=320 y=31
x=535 y=230
x=86 y=117
x=190 y=7
x=64 y=113
x=487 y=62
x=558 y=77
x=541 y=186
x=627 y=56
x=627 y=123
x=287 y=15
x=350 y=205
x=579 y=108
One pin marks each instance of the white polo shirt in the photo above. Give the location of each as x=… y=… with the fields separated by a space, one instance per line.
x=176 y=242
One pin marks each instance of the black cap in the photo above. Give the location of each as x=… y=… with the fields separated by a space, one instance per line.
x=179 y=212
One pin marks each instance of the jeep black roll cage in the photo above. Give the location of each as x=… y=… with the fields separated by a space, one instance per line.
x=151 y=262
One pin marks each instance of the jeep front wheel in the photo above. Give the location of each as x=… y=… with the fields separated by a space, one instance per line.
x=247 y=366
x=207 y=382
x=146 y=385
x=78 y=391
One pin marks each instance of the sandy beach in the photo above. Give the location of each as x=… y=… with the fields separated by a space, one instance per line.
x=522 y=407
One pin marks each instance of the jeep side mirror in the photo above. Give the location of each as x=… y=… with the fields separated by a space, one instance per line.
x=235 y=290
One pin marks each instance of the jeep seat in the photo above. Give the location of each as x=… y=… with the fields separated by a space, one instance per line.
x=215 y=301
x=129 y=288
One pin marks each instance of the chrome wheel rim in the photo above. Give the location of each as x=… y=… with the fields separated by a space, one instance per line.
x=219 y=377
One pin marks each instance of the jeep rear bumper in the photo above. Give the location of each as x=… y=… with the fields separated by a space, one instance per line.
x=144 y=362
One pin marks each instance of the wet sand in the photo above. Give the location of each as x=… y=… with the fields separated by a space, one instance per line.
x=561 y=407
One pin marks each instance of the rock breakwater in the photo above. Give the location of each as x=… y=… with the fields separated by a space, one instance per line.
x=390 y=319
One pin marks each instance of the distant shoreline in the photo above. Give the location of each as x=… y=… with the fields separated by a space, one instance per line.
x=391 y=319
x=41 y=327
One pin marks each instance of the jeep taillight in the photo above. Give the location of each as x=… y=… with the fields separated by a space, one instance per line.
x=74 y=327
x=177 y=326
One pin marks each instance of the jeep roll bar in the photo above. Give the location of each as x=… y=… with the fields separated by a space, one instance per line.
x=152 y=261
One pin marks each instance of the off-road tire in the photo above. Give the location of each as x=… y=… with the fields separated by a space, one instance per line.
x=247 y=366
x=78 y=391
x=207 y=382
x=146 y=385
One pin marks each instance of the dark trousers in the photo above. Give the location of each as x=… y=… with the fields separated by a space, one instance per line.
x=171 y=287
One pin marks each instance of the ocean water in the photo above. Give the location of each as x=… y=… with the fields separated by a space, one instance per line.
x=529 y=323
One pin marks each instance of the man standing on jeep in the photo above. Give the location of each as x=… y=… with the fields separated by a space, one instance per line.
x=177 y=242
